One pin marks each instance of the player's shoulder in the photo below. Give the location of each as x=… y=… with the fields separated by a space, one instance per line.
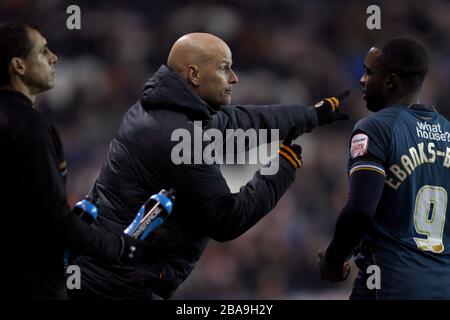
x=380 y=120
x=443 y=119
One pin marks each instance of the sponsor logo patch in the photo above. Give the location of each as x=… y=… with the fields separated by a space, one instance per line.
x=359 y=145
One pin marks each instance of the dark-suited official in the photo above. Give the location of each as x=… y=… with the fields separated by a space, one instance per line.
x=37 y=224
x=196 y=85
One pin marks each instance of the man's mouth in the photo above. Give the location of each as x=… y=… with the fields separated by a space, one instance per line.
x=228 y=91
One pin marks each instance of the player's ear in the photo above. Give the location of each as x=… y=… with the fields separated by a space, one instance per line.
x=392 y=81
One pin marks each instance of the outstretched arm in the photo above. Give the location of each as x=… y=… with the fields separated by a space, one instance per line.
x=281 y=117
x=211 y=208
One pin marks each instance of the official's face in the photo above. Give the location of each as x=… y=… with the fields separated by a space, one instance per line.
x=373 y=81
x=39 y=65
x=217 y=78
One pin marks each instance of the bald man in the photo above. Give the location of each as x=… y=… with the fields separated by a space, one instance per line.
x=204 y=62
x=188 y=94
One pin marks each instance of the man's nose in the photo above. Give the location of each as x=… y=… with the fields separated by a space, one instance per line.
x=233 y=78
x=362 y=81
x=53 y=58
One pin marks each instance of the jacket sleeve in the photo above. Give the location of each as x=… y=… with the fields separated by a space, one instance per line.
x=208 y=206
x=55 y=220
x=282 y=117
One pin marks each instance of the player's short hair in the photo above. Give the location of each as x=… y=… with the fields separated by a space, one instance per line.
x=14 y=42
x=406 y=58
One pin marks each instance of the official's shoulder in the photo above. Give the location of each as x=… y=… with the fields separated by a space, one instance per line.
x=31 y=125
x=21 y=120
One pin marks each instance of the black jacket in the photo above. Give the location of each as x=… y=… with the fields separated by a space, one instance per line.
x=36 y=221
x=139 y=164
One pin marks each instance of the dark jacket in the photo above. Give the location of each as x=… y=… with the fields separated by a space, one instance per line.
x=37 y=224
x=138 y=164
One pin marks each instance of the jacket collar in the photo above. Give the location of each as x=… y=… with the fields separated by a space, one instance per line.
x=17 y=98
x=167 y=90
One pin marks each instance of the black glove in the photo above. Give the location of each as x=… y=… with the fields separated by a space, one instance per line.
x=328 y=111
x=132 y=250
x=291 y=152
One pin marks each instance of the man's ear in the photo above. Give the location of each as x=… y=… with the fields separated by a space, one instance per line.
x=193 y=75
x=17 y=66
x=392 y=81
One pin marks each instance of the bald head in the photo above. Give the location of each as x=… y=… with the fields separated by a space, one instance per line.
x=195 y=49
x=204 y=62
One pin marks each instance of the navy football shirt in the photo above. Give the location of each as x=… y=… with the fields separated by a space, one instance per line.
x=409 y=239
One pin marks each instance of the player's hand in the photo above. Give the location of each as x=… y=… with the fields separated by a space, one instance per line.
x=328 y=109
x=332 y=273
x=291 y=152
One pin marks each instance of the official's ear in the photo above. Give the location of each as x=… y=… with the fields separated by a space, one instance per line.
x=17 y=66
x=193 y=75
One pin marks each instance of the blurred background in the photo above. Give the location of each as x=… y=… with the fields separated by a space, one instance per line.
x=284 y=51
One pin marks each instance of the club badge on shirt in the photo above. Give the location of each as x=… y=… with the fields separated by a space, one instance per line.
x=359 y=145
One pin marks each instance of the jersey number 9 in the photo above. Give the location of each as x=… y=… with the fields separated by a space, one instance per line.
x=429 y=218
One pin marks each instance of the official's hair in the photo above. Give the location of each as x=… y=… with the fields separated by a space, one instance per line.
x=406 y=58
x=14 y=42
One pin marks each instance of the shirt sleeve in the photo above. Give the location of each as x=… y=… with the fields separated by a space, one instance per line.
x=366 y=168
x=366 y=188
x=368 y=147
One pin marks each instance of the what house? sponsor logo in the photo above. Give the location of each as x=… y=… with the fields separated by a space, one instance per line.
x=432 y=132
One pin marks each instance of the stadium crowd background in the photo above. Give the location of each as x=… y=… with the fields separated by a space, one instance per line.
x=284 y=52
